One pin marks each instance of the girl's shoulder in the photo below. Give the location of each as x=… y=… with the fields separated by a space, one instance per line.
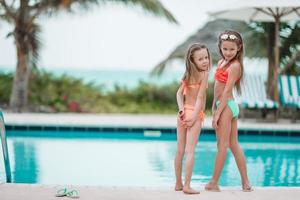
x=184 y=81
x=236 y=62
x=235 y=68
x=203 y=76
x=195 y=79
x=220 y=62
x=235 y=65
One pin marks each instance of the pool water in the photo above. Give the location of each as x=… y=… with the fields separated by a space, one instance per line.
x=131 y=159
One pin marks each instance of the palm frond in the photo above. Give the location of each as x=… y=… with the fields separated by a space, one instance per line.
x=291 y=40
x=51 y=7
x=35 y=43
x=152 y=6
x=27 y=36
x=159 y=69
x=207 y=35
x=6 y=18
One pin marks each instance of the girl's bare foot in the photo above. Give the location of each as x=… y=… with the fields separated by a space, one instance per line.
x=188 y=190
x=178 y=187
x=247 y=187
x=213 y=187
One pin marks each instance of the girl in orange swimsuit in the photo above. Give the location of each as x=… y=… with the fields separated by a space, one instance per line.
x=191 y=97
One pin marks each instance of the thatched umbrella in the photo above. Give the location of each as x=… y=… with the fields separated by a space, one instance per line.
x=208 y=35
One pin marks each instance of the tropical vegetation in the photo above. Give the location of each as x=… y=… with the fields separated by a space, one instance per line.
x=259 y=42
x=24 y=16
x=51 y=93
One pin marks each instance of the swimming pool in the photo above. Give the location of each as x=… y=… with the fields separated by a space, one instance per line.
x=131 y=159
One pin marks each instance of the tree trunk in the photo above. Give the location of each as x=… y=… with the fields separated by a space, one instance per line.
x=19 y=95
x=271 y=58
x=275 y=96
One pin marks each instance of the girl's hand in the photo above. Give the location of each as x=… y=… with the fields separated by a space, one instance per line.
x=181 y=114
x=215 y=120
x=181 y=117
x=190 y=121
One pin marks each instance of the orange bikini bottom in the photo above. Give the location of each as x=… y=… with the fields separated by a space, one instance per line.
x=188 y=112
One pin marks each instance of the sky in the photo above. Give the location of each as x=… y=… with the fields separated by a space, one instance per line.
x=112 y=36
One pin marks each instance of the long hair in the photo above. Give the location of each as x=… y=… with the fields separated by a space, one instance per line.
x=240 y=53
x=190 y=67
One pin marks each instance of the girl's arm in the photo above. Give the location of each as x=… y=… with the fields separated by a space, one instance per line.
x=214 y=107
x=233 y=75
x=200 y=102
x=179 y=97
x=180 y=103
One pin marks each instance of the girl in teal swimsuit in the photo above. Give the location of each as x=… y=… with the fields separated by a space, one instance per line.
x=225 y=110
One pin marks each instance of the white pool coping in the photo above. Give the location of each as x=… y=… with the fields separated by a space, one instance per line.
x=130 y=121
x=47 y=192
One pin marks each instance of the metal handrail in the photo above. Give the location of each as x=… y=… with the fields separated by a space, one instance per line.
x=5 y=149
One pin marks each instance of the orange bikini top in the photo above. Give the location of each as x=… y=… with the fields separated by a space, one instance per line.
x=222 y=74
x=186 y=86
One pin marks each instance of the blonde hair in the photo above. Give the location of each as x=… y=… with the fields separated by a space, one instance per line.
x=240 y=54
x=190 y=67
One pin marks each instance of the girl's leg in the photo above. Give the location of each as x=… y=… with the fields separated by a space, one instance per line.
x=191 y=142
x=181 y=140
x=239 y=156
x=223 y=134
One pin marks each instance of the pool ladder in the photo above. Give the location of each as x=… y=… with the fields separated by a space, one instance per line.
x=4 y=148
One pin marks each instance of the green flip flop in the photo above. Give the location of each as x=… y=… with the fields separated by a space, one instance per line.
x=73 y=194
x=61 y=192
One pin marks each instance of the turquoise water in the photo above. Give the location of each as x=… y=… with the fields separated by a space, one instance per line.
x=130 y=159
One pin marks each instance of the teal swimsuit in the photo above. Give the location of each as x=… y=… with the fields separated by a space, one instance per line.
x=233 y=106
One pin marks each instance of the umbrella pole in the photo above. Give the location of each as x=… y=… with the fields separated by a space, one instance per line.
x=277 y=60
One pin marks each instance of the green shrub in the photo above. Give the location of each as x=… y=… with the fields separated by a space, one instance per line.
x=50 y=93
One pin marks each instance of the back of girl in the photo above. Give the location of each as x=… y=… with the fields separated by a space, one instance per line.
x=191 y=97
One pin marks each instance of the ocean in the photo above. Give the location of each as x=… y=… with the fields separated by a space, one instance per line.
x=130 y=78
x=109 y=78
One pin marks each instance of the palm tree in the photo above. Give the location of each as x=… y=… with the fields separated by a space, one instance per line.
x=289 y=49
x=24 y=14
x=208 y=35
x=259 y=41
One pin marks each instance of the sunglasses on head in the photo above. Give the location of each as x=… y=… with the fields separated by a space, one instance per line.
x=226 y=36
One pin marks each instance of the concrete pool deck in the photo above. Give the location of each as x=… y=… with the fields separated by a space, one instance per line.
x=130 y=121
x=47 y=192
